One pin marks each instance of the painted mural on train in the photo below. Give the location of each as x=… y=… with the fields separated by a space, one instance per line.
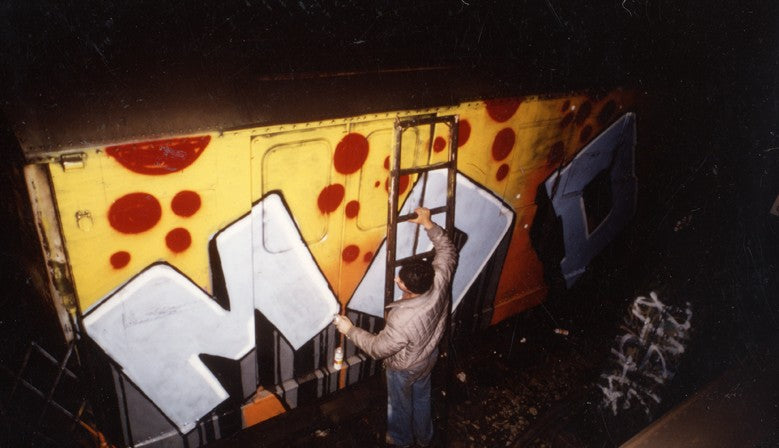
x=207 y=267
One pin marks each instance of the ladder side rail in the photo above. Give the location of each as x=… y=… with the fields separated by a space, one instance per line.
x=429 y=153
x=392 y=218
x=446 y=341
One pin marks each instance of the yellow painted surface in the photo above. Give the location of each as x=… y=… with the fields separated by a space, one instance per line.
x=220 y=176
x=238 y=168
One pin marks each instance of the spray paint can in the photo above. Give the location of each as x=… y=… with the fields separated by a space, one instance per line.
x=339 y=358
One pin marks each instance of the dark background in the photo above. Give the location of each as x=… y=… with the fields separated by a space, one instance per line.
x=707 y=154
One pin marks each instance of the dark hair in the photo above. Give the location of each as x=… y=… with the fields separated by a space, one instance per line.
x=417 y=276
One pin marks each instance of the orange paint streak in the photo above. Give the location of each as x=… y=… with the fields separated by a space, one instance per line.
x=261 y=408
x=342 y=376
x=521 y=283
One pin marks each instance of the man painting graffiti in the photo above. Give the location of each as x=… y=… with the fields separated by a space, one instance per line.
x=409 y=341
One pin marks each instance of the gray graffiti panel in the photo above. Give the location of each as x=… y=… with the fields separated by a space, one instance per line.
x=484 y=218
x=612 y=150
x=146 y=425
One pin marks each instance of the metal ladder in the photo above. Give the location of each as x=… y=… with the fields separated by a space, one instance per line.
x=393 y=216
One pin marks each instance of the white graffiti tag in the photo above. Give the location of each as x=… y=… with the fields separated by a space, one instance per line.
x=646 y=354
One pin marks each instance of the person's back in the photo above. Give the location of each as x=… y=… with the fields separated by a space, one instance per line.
x=409 y=341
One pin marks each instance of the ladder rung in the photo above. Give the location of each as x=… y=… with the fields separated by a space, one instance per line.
x=422 y=169
x=421 y=121
x=419 y=256
x=433 y=211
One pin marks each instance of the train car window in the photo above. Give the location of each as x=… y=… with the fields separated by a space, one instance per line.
x=374 y=176
x=295 y=168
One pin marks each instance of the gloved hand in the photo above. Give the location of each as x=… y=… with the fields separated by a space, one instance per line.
x=342 y=323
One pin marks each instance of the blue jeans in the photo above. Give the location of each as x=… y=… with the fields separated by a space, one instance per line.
x=408 y=409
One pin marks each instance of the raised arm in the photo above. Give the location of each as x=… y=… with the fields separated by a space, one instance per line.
x=445 y=253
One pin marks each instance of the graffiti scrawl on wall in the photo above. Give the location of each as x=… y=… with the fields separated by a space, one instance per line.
x=646 y=355
x=213 y=263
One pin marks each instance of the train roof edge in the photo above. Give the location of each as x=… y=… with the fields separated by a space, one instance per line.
x=97 y=113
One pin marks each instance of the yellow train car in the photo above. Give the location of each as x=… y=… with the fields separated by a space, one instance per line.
x=199 y=271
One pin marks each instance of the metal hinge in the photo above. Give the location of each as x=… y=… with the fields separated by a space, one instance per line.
x=72 y=161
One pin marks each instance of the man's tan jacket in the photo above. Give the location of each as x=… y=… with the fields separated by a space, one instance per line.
x=414 y=326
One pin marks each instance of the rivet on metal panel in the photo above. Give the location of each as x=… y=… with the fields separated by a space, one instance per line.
x=84 y=220
x=72 y=161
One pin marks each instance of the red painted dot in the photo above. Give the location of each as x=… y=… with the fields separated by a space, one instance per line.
x=567 y=119
x=463 y=132
x=367 y=257
x=160 y=156
x=350 y=153
x=186 y=203
x=584 y=112
x=386 y=163
x=503 y=109
x=585 y=134
x=402 y=184
x=352 y=209
x=556 y=153
x=503 y=171
x=350 y=253
x=404 y=180
x=330 y=198
x=376 y=184
x=439 y=144
x=134 y=213
x=120 y=259
x=503 y=143
x=178 y=239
